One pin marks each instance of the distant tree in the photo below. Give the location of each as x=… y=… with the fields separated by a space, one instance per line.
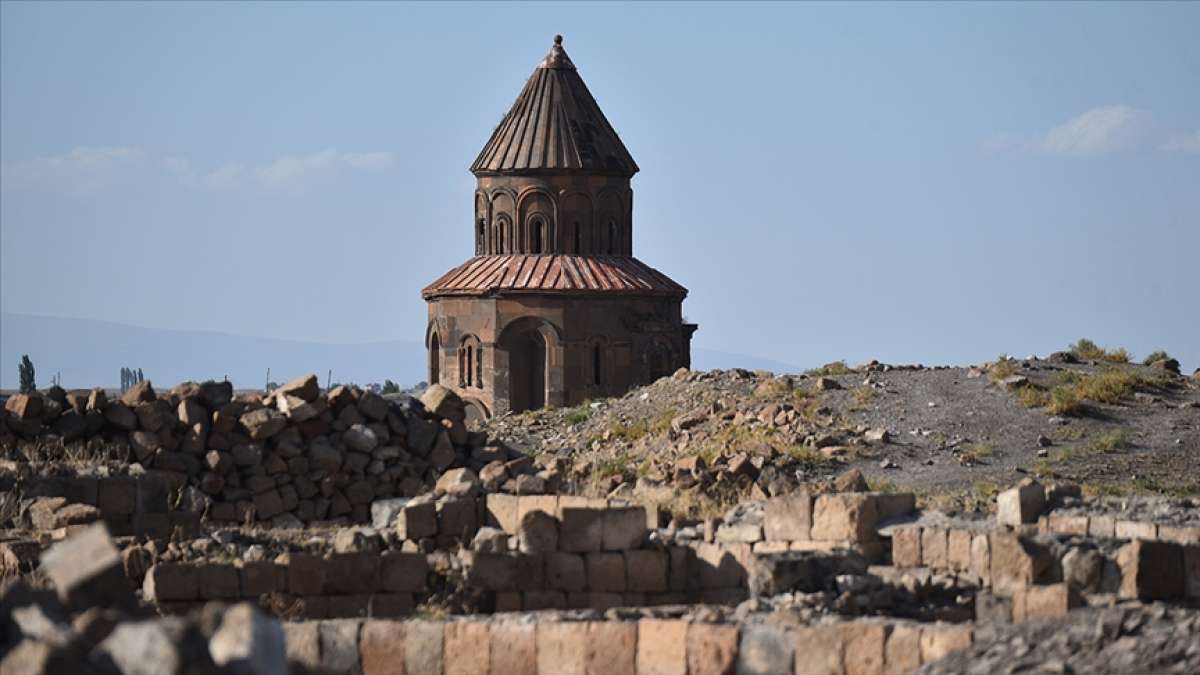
x=25 y=370
x=140 y=377
x=390 y=387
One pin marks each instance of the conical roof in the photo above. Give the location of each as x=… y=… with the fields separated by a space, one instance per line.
x=555 y=125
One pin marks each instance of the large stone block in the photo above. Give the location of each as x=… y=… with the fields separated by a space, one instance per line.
x=605 y=572
x=302 y=643
x=492 y=571
x=889 y=505
x=582 y=529
x=1020 y=505
x=864 y=647
x=381 y=648
x=1151 y=570
x=352 y=573
x=624 y=528
x=1040 y=602
x=465 y=649
x=611 y=648
x=537 y=532
x=844 y=517
x=262 y=577
x=565 y=571
x=1102 y=526
x=788 y=518
x=339 y=646
x=1136 y=529
x=248 y=641
x=940 y=639
x=169 y=582
x=981 y=559
x=662 y=647
x=86 y=570
x=934 y=545
x=562 y=648
x=819 y=650
x=958 y=550
x=1016 y=562
x=533 y=601
x=417 y=521
x=646 y=571
x=402 y=572
x=305 y=573
x=423 y=641
x=906 y=547
x=502 y=512
x=721 y=567
x=513 y=648
x=711 y=649
x=765 y=649
x=902 y=653
x=218 y=581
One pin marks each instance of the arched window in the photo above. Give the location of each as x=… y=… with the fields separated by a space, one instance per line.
x=502 y=245
x=481 y=242
x=597 y=364
x=435 y=359
x=537 y=235
x=470 y=362
x=612 y=238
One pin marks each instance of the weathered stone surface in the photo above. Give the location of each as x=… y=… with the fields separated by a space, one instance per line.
x=1021 y=504
x=1151 y=570
x=459 y=483
x=764 y=650
x=171 y=581
x=339 y=646
x=248 y=642
x=302 y=641
x=606 y=571
x=423 y=647
x=864 y=647
x=140 y=392
x=381 y=648
x=906 y=547
x=1016 y=562
x=565 y=571
x=934 y=545
x=624 y=528
x=788 y=518
x=513 y=648
x=646 y=571
x=443 y=402
x=1040 y=602
x=562 y=647
x=163 y=646
x=263 y=423
x=662 y=647
x=87 y=571
x=938 y=640
x=306 y=388
x=417 y=521
x=465 y=648
x=581 y=529
x=844 y=517
x=538 y=531
x=711 y=649
x=902 y=653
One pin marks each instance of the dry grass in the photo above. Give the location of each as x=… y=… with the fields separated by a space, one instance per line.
x=830 y=370
x=1002 y=368
x=1156 y=355
x=1064 y=402
x=1033 y=396
x=1109 y=386
x=1088 y=350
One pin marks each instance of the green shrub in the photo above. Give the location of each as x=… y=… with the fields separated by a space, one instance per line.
x=1064 y=401
x=1156 y=355
x=1090 y=351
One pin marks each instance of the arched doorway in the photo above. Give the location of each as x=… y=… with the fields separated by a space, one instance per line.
x=526 y=370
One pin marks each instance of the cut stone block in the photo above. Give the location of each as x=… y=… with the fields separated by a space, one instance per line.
x=958 y=550
x=1067 y=524
x=1021 y=504
x=819 y=650
x=662 y=647
x=864 y=646
x=305 y=573
x=417 y=521
x=1136 y=529
x=1102 y=526
x=582 y=529
x=605 y=572
x=611 y=648
x=502 y=512
x=402 y=572
x=906 y=547
x=565 y=571
x=513 y=648
x=844 y=517
x=86 y=570
x=1151 y=570
x=938 y=640
x=765 y=650
x=562 y=647
x=168 y=582
x=624 y=528
x=646 y=571
x=465 y=651
x=1016 y=562
x=1039 y=602
x=934 y=545
x=902 y=653
x=381 y=647
x=339 y=646
x=711 y=649
x=788 y=518
x=423 y=642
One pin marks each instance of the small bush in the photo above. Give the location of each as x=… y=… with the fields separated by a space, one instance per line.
x=1033 y=397
x=864 y=395
x=1111 y=442
x=1156 y=355
x=1002 y=368
x=1088 y=350
x=630 y=432
x=1064 y=401
x=1109 y=386
x=578 y=414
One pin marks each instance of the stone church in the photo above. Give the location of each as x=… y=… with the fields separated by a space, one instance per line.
x=553 y=309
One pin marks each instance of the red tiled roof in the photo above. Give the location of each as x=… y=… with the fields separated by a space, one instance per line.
x=557 y=274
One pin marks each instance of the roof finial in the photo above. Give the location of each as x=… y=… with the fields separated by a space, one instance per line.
x=557 y=58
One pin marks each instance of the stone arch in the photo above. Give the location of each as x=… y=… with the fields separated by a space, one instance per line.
x=477 y=412
x=537 y=206
x=503 y=209
x=470 y=362
x=529 y=348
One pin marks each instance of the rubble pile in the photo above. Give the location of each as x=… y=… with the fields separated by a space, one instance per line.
x=291 y=457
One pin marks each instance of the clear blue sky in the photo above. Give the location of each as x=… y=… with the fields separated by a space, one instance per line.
x=934 y=183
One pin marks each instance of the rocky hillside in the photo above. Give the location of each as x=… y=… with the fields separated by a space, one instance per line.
x=956 y=432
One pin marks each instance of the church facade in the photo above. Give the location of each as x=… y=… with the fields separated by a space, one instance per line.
x=553 y=309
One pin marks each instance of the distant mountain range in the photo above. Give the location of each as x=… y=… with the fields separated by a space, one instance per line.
x=91 y=353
